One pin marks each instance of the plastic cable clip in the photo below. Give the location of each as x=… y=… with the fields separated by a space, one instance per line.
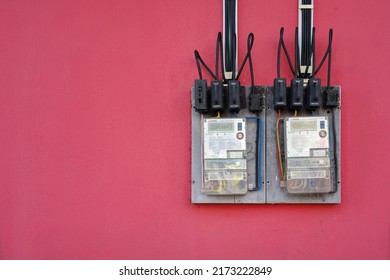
x=306 y=6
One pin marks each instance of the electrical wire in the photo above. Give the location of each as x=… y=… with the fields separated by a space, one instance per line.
x=259 y=152
x=230 y=17
x=250 y=40
x=297 y=58
x=279 y=153
x=313 y=51
x=198 y=65
x=296 y=53
x=279 y=156
x=249 y=48
x=308 y=52
x=216 y=57
x=279 y=51
x=326 y=52
x=286 y=52
x=281 y=44
x=248 y=56
x=312 y=55
x=234 y=56
x=198 y=59
x=330 y=56
x=219 y=41
x=218 y=54
x=335 y=145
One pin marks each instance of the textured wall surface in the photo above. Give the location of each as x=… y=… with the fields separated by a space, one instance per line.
x=95 y=132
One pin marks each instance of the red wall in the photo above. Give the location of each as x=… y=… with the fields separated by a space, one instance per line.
x=95 y=132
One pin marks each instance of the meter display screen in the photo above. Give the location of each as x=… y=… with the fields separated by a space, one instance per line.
x=221 y=127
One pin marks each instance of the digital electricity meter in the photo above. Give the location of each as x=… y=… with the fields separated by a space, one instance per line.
x=224 y=156
x=307 y=155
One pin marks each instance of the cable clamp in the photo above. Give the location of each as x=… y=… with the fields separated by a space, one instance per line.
x=229 y=75
x=303 y=69
x=306 y=6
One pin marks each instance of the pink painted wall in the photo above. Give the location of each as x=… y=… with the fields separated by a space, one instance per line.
x=95 y=132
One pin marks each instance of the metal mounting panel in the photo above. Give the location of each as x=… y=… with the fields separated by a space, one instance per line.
x=271 y=191
x=251 y=127
x=276 y=194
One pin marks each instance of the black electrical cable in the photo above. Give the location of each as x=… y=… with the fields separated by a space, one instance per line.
x=295 y=53
x=234 y=55
x=199 y=58
x=219 y=40
x=322 y=61
x=335 y=145
x=230 y=18
x=298 y=55
x=285 y=51
x=313 y=51
x=216 y=57
x=312 y=54
x=198 y=65
x=327 y=51
x=279 y=51
x=250 y=41
x=330 y=56
x=297 y=64
x=249 y=46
